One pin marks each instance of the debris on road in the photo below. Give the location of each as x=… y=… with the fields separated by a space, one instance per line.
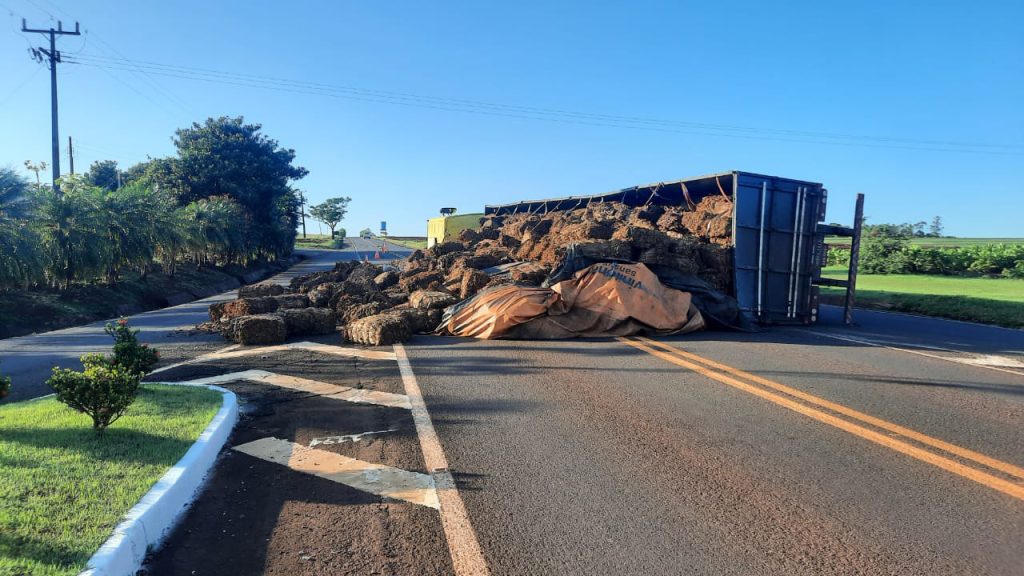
x=378 y=305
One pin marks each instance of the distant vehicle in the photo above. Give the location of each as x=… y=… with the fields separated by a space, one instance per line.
x=366 y=233
x=447 y=226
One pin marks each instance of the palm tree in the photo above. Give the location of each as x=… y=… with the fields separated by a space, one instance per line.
x=19 y=256
x=71 y=232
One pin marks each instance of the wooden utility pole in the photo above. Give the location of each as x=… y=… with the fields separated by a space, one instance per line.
x=54 y=57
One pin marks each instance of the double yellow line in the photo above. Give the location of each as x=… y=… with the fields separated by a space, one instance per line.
x=857 y=423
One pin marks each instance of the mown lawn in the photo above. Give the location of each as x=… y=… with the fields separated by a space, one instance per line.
x=409 y=242
x=997 y=301
x=63 y=488
x=938 y=242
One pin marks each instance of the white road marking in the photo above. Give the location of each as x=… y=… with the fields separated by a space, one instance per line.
x=987 y=361
x=366 y=476
x=325 y=389
x=467 y=558
x=331 y=440
x=236 y=351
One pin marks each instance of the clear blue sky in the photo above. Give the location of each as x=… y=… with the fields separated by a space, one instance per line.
x=935 y=71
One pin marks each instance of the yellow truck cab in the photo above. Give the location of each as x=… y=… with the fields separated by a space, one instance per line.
x=447 y=226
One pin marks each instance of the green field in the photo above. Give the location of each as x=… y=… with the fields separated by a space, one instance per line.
x=63 y=487
x=997 y=301
x=321 y=241
x=414 y=242
x=937 y=242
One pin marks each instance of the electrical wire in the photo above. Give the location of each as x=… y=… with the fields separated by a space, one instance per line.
x=534 y=113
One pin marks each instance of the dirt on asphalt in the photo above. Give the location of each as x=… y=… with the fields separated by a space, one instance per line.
x=258 y=517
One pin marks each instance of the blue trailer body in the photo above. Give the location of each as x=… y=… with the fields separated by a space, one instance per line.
x=777 y=238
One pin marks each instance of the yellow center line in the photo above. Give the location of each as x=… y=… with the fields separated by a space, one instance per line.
x=964 y=453
x=942 y=462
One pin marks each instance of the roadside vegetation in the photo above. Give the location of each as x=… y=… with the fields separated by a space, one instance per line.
x=903 y=269
x=63 y=487
x=322 y=241
x=223 y=201
x=414 y=242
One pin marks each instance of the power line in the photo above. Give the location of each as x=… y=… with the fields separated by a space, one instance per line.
x=536 y=113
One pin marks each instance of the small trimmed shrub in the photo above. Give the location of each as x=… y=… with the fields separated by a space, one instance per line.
x=5 y=386
x=128 y=353
x=104 y=390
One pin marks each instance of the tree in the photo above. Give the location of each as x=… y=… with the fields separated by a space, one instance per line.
x=104 y=174
x=37 y=168
x=19 y=254
x=71 y=231
x=331 y=211
x=935 y=228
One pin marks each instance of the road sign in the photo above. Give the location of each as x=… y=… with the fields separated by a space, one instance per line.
x=383 y=228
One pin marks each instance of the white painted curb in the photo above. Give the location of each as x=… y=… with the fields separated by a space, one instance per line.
x=151 y=519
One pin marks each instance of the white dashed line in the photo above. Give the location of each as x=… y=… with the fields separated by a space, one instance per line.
x=467 y=558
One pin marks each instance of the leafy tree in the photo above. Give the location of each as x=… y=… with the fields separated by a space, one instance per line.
x=227 y=157
x=935 y=228
x=36 y=167
x=103 y=174
x=331 y=211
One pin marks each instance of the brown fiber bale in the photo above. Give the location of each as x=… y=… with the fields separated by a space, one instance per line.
x=242 y=307
x=259 y=329
x=529 y=274
x=358 y=311
x=378 y=330
x=386 y=280
x=431 y=299
x=321 y=295
x=292 y=301
x=472 y=282
x=421 y=281
x=308 y=321
x=261 y=289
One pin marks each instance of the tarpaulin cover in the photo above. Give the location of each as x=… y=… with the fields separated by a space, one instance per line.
x=605 y=299
x=720 y=311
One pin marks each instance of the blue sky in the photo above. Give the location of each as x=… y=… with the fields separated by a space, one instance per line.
x=897 y=76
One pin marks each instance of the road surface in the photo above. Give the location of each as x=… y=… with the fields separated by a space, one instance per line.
x=28 y=360
x=892 y=447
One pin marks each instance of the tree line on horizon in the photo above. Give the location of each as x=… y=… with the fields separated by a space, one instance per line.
x=224 y=198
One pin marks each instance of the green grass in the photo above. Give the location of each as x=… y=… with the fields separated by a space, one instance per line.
x=320 y=241
x=997 y=301
x=416 y=243
x=937 y=242
x=63 y=488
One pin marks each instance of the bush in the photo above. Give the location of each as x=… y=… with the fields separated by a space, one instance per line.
x=883 y=255
x=104 y=390
x=5 y=386
x=838 y=257
x=128 y=353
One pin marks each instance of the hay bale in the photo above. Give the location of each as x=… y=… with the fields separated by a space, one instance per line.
x=305 y=321
x=431 y=299
x=378 y=330
x=321 y=295
x=259 y=290
x=259 y=329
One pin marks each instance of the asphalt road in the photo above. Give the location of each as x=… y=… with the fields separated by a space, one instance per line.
x=28 y=360
x=596 y=457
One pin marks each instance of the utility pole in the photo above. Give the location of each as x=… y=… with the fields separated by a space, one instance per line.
x=302 y=212
x=54 y=56
x=71 y=157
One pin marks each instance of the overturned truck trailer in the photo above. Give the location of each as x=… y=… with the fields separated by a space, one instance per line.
x=778 y=236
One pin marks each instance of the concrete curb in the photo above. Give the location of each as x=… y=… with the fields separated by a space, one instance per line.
x=151 y=519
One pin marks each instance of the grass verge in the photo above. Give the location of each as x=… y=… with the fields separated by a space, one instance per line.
x=318 y=241
x=998 y=301
x=64 y=488
x=413 y=242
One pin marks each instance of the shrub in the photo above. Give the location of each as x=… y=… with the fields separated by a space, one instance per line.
x=5 y=386
x=883 y=255
x=838 y=257
x=104 y=390
x=128 y=353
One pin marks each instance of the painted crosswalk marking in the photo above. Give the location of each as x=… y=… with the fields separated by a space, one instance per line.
x=325 y=389
x=376 y=479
